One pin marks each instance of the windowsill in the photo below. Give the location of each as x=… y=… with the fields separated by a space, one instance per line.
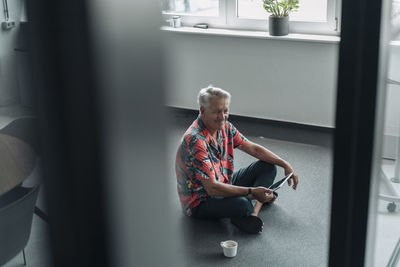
x=395 y=43
x=255 y=34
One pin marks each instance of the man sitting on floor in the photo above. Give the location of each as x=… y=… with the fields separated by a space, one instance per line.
x=208 y=187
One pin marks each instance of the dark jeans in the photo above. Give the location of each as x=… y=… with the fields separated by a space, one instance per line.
x=258 y=173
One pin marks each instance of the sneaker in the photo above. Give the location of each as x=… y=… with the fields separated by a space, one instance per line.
x=250 y=224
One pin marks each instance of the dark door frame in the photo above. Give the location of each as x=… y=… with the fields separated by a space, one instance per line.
x=63 y=62
x=356 y=107
x=67 y=108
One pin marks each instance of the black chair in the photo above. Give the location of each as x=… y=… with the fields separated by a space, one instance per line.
x=26 y=130
x=16 y=212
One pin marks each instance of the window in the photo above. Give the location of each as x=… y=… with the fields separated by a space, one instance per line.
x=313 y=16
x=395 y=20
x=206 y=8
x=309 y=10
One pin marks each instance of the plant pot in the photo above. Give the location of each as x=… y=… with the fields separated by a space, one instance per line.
x=278 y=26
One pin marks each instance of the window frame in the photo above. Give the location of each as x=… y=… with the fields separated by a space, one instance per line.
x=190 y=20
x=228 y=19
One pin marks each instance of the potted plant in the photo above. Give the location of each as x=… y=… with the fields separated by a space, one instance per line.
x=279 y=18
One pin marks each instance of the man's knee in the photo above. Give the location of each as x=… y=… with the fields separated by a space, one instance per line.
x=267 y=167
x=243 y=206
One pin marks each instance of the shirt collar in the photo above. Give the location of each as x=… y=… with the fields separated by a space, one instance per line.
x=206 y=133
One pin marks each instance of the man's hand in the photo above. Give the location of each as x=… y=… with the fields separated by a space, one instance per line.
x=294 y=178
x=262 y=194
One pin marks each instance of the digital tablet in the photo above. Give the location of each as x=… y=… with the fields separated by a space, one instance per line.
x=280 y=183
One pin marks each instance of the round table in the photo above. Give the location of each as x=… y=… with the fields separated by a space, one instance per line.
x=17 y=160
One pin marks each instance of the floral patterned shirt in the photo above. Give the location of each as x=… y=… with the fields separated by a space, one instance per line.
x=199 y=157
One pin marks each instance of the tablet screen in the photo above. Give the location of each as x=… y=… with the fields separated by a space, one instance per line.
x=281 y=182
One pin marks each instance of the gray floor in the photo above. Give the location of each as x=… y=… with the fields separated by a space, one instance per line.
x=296 y=227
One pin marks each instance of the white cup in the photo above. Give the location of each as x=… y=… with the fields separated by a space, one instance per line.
x=230 y=248
x=177 y=23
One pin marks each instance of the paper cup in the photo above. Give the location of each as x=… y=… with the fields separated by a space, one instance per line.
x=230 y=248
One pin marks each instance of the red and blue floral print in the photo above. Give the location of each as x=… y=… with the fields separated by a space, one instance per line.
x=200 y=157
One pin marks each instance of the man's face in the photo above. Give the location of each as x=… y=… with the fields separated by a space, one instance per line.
x=216 y=114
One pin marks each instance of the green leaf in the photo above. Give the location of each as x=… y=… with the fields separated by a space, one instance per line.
x=280 y=8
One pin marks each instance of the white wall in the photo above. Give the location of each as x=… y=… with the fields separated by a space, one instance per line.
x=392 y=118
x=392 y=108
x=281 y=80
x=9 y=90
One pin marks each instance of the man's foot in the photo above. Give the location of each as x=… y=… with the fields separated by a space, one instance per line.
x=272 y=200
x=250 y=224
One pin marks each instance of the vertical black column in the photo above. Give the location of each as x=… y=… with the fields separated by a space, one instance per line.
x=354 y=134
x=69 y=127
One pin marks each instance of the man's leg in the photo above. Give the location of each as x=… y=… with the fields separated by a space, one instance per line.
x=259 y=173
x=238 y=209
x=223 y=207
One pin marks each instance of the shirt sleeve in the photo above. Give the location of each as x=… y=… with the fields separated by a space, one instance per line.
x=203 y=168
x=237 y=137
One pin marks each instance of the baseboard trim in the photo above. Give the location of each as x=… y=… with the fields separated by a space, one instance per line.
x=322 y=129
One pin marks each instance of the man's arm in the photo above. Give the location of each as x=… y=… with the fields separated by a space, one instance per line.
x=215 y=188
x=266 y=155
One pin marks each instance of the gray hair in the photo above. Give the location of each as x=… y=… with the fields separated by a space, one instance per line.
x=203 y=98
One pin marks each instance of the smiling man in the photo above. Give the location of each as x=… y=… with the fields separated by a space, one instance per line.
x=208 y=187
